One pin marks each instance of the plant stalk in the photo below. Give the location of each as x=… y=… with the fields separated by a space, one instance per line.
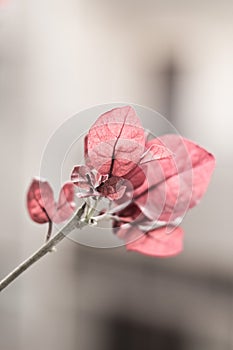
x=46 y=248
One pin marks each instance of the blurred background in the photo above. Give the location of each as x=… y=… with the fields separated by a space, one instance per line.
x=58 y=57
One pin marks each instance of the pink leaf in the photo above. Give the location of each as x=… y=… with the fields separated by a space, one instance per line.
x=66 y=205
x=116 y=141
x=136 y=176
x=155 y=152
x=177 y=183
x=40 y=201
x=132 y=181
x=159 y=243
x=128 y=214
x=126 y=227
x=41 y=205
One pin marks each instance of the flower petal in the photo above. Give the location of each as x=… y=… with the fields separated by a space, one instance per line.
x=116 y=141
x=113 y=188
x=159 y=243
x=83 y=177
x=40 y=201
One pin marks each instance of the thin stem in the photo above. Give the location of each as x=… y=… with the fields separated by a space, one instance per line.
x=31 y=260
x=92 y=209
x=47 y=247
x=50 y=227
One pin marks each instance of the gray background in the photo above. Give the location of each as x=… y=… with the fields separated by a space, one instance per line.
x=59 y=57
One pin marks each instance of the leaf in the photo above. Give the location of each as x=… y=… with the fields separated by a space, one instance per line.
x=41 y=205
x=130 y=213
x=136 y=176
x=177 y=183
x=158 y=243
x=116 y=141
x=163 y=241
x=66 y=205
x=154 y=152
x=132 y=181
x=126 y=226
x=40 y=201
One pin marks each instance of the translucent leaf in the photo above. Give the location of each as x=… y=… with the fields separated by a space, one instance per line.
x=116 y=142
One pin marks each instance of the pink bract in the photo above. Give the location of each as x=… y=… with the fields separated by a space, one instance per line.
x=116 y=141
x=177 y=183
x=172 y=186
x=159 y=242
x=41 y=205
x=141 y=234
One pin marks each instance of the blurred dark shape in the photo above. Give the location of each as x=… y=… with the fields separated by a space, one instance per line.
x=170 y=72
x=127 y=334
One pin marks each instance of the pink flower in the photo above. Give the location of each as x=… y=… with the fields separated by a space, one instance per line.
x=41 y=205
x=161 y=178
x=150 y=184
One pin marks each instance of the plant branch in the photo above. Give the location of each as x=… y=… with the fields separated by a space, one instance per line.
x=50 y=228
x=47 y=247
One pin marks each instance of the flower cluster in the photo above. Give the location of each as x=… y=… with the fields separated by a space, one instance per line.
x=150 y=183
